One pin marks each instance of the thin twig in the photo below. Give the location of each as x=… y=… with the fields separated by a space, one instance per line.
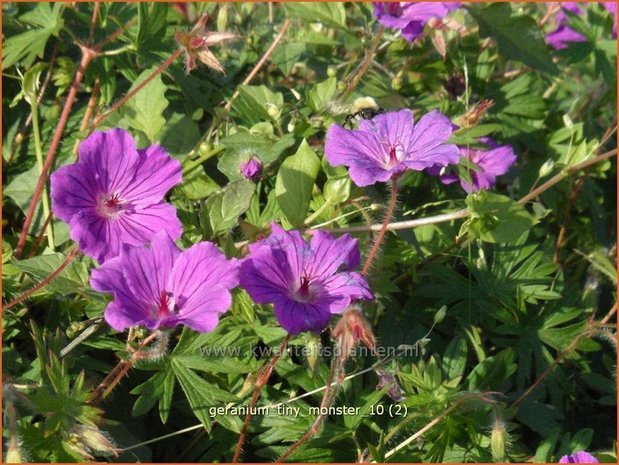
x=92 y=101
x=220 y=117
x=70 y=257
x=162 y=67
x=261 y=380
x=366 y=63
x=87 y=56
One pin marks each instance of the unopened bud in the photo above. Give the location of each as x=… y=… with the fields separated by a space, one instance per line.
x=498 y=440
x=94 y=439
x=14 y=453
x=351 y=330
x=331 y=71
x=273 y=111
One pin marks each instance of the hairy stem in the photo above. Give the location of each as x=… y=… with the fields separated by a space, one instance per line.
x=381 y=233
x=261 y=380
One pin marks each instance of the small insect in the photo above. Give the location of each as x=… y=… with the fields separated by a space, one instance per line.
x=364 y=113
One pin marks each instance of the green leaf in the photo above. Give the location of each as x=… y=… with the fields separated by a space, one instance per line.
x=200 y=394
x=151 y=23
x=159 y=387
x=496 y=218
x=286 y=55
x=20 y=189
x=337 y=189
x=454 y=360
x=225 y=206
x=295 y=180
x=70 y=280
x=145 y=110
x=320 y=95
x=329 y=13
x=31 y=44
x=518 y=37
x=180 y=135
x=257 y=104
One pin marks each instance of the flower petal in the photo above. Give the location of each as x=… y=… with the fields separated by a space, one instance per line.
x=72 y=189
x=147 y=269
x=110 y=158
x=201 y=311
x=199 y=270
x=426 y=143
x=342 y=289
x=329 y=254
x=296 y=317
x=359 y=150
x=156 y=174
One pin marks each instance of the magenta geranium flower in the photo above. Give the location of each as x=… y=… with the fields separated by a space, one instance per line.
x=307 y=283
x=491 y=163
x=251 y=169
x=411 y=17
x=579 y=457
x=563 y=34
x=390 y=144
x=160 y=286
x=114 y=194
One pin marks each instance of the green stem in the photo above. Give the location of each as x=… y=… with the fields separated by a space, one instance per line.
x=39 y=154
x=317 y=213
x=198 y=161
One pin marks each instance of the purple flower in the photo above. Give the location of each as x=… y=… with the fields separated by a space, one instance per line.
x=563 y=34
x=114 y=194
x=390 y=144
x=612 y=9
x=251 y=169
x=307 y=283
x=160 y=286
x=491 y=163
x=579 y=457
x=411 y=17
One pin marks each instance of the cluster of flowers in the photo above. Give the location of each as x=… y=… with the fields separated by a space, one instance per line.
x=392 y=143
x=410 y=18
x=113 y=201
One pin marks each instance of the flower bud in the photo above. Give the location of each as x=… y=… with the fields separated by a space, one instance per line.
x=498 y=440
x=352 y=329
x=14 y=452
x=251 y=169
x=331 y=71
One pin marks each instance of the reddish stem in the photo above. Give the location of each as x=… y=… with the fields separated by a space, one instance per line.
x=162 y=67
x=262 y=379
x=87 y=55
x=74 y=253
x=41 y=235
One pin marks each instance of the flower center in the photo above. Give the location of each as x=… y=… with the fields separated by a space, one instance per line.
x=111 y=206
x=166 y=305
x=395 y=153
x=306 y=291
